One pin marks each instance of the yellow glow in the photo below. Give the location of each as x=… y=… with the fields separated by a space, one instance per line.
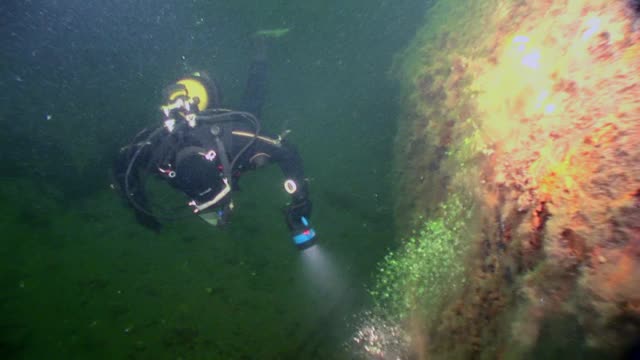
x=536 y=84
x=518 y=88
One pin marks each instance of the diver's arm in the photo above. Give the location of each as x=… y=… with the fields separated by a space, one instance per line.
x=268 y=150
x=298 y=211
x=290 y=163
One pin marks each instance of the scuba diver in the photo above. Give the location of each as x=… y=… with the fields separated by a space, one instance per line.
x=202 y=149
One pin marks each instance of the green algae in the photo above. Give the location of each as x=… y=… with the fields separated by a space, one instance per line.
x=428 y=267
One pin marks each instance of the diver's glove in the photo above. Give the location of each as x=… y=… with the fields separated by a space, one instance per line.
x=297 y=214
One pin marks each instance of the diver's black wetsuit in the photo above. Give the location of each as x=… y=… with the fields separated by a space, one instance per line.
x=180 y=157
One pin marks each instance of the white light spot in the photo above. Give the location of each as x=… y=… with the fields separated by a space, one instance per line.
x=532 y=60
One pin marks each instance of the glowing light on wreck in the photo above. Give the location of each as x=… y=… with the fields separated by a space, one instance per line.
x=593 y=25
x=542 y=97
x=520 y=40
x=549 y=109
x=532 y=60
x=523 y=45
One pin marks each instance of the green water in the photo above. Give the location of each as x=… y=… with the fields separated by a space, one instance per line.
x=81 y=279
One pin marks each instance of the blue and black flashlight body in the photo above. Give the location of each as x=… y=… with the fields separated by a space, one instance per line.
x=304 y=236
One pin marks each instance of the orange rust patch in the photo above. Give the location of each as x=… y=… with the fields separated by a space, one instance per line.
x=622 y=272
x=605 y=135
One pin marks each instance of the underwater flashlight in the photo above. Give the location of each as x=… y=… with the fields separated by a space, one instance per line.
x=305 y=236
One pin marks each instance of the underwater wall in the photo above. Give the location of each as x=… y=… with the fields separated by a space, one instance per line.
x=517 y=184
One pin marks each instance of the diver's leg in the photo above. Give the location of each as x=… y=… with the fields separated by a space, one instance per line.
x=256 y=90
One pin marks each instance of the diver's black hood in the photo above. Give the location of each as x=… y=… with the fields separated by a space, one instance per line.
x=198 y=177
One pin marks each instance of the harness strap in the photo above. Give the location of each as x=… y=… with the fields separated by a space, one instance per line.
x=224 y=158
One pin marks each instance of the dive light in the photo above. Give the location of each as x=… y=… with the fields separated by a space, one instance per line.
x=304 y=236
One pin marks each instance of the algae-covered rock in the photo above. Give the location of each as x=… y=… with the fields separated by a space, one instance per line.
x=529 y=113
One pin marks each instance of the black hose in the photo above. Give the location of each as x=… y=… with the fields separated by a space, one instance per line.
x=127 y=173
